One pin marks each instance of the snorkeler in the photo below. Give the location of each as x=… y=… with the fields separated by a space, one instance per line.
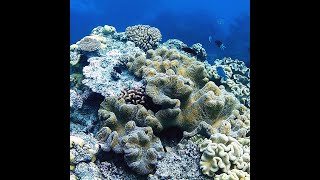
x=220 y=44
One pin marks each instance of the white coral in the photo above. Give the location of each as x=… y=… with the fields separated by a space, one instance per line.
x=224 y=153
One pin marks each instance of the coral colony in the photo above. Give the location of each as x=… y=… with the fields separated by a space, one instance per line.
x=129 y=91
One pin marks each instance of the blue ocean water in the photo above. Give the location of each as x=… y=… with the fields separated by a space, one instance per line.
x=190 y=21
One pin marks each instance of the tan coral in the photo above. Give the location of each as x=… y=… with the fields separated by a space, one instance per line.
x=163 y=59
x=116 y=113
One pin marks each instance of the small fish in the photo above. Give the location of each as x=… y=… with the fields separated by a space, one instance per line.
x=189 y=50
x=210 y=39
x=219 y=44
x=221 y=73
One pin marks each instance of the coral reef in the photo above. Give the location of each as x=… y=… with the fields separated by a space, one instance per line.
x=83 y=120
x=105 y=75
x=127 y=91
x=111 y=172
x=180 y=162
x=87 y=171
x=144 y=36
x=223 y=153
x=98 y=76
x=234 y=75
x=83 y=148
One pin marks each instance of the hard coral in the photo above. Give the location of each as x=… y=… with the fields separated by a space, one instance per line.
x=89 y=44
x=134 y=95
x=144 y=36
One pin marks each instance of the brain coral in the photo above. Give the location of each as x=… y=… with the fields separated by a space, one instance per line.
x=223 y=153
x=144 y=36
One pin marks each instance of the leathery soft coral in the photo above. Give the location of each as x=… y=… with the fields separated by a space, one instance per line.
x=140 y=146
x=163 y=59
x=223 y=153
x=185 y=108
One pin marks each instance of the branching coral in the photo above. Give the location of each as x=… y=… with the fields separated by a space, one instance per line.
x=234 y=75
x=144 y=36
x=223 y=153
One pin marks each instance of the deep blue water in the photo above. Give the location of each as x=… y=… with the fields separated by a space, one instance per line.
x=190 y=21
